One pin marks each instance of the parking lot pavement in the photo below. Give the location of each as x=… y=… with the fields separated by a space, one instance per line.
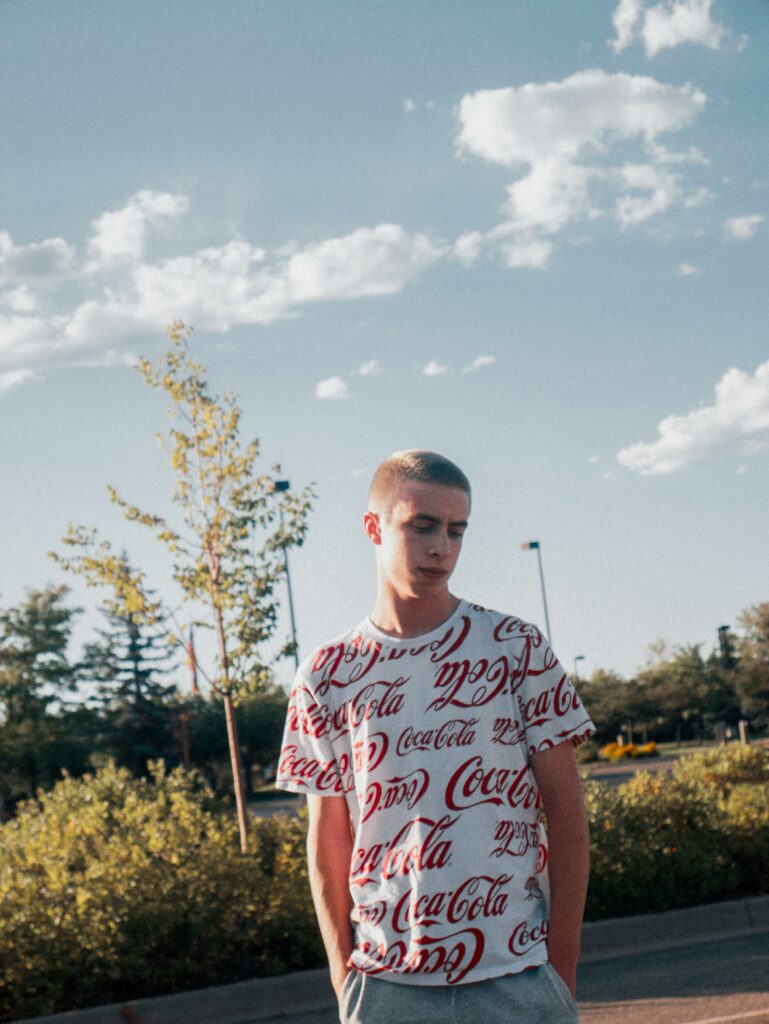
x=726 y=980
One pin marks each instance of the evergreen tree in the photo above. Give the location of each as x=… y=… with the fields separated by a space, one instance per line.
x=40 y=732
x=127 y=667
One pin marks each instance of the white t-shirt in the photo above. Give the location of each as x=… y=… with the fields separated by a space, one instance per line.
x=429 y=739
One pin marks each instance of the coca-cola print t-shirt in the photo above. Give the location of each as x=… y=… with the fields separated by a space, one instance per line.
x=429 y=740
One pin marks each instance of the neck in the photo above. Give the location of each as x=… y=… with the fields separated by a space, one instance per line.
x=412 y=616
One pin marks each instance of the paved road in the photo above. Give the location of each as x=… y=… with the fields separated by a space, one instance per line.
x=710 y=983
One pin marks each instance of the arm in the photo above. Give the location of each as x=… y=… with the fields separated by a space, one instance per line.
x=557 y=776
x=329 y=852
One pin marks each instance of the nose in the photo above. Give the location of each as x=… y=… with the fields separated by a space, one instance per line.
x=439 y=545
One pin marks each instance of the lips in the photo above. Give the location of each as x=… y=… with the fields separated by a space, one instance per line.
x=434 y=574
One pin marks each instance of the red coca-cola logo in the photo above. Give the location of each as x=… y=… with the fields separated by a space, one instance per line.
x=511 y=627
x=362 y=653
x=453 y=955
x=559 y=699
x=477 y=896
x=507 y=731
x=524 y=937
x=456 y=732
x=369 y=913
x=515 y=838
x=472 y=784
x=332 y=776
x=400 y=790
x=380 y=699
x=469 y=686
x=539 y=867
x=368 y=753
x=405 y=852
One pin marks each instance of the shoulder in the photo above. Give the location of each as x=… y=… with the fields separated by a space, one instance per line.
x=506 y=625
x=327 y=658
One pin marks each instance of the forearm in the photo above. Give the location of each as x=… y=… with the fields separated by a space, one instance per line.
x=568 y=869
x=329 y=851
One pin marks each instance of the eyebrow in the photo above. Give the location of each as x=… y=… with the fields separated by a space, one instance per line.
x=436 y=520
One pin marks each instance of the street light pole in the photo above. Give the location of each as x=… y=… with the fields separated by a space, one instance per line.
x=533 y=545
x=283 y=485
x=577 y=657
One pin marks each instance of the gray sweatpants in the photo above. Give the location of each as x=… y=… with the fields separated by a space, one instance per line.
x=538 y=996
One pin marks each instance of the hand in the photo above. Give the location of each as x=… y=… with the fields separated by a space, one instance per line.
x=338 y=978
x=568 y=971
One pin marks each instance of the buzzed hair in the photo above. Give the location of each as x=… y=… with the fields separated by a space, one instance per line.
x=414 y=464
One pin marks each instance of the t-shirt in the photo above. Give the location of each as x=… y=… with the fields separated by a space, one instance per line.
x=429 y=739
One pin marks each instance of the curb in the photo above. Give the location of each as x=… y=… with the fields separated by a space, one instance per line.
x=279 y=998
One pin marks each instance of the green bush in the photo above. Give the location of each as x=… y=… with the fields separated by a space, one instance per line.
x=113 y=887
x=664 y=841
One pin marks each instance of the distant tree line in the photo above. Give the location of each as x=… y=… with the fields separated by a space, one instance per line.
x=121 y=700
x=684 y=695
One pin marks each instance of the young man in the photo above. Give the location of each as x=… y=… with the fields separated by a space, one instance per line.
x=428 y=741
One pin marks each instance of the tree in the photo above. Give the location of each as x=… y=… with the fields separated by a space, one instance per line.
x=136 y=705
x=229 y=552
x=39 y=734
x=752 y=672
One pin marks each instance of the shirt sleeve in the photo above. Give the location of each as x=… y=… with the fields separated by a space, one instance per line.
x=310 y=761
x=551 y=710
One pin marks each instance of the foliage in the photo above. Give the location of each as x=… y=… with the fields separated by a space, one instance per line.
x=752 y=673
x=138 y=712
x=618 y=751
x=112 y=886
x=228 y=550
x=664 y=841
x=39 y=731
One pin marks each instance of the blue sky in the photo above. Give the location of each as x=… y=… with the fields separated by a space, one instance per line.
x=530 y=236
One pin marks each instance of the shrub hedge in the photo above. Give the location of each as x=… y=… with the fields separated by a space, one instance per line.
x=113 y=887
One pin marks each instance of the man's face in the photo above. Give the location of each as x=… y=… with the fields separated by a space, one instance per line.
x=421 y=536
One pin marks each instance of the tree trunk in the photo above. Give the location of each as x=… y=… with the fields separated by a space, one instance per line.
x=237 y=774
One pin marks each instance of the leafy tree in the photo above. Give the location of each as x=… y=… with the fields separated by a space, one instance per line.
x=752 y=672
x=228 y=552
x=39 y=732
x=138 y=710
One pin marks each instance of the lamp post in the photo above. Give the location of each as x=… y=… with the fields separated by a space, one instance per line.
x=577 y=657
x=283 y=485
x=533 y=545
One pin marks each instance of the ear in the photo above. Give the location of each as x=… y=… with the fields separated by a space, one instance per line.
x=371 y=526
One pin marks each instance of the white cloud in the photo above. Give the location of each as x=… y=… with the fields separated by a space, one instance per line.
x=36 y=261
x=19 y=300
x=743 y=228
x=685 y=269
x=434 y=369
x=120 y=234
x=468 y=247
x=687 y=21
x=565 y=120
x=58 y=308
x=332 y=387
x=11 y=378
x=564 y=133
x=736 y=423
x=626 y=17
x=409 y=105
x=479 y=363
x=593 y=459
x=666 y=25
x=658 y=188
x=370 y=368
